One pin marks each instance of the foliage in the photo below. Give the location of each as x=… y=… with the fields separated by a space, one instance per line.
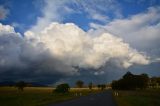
x=90 y=85
x=79 y=83
x=154 y=82
x=20 y=85
x=131 y=82
x=101 y=86
x=62 y=88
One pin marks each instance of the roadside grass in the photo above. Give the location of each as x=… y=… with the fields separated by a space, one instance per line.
x=148 y=97
x=38 y=96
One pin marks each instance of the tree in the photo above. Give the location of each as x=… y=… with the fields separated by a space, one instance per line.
x=158 y=80
x=101 y=86
x=90 y=85
x=144 y=81
x=62 y=88
x=128 y=75
x=20 y=85
x=155 y=81
x=79 y=83
x=131 y=82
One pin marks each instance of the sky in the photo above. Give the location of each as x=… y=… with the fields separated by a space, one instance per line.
x=57 y=41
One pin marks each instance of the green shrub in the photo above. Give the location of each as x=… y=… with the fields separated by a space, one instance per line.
x=20 y=85
x=62 y=88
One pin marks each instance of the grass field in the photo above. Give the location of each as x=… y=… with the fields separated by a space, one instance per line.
x=149 y=97
x=38 y=96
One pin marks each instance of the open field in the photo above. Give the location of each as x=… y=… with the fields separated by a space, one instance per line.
x=149 y=97
x=38 y=96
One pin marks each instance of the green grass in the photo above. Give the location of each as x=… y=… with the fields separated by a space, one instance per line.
x=37 y=96
x=149 y=97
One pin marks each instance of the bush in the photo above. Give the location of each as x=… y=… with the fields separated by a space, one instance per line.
x=20 y=85
x=90 y=85
x=79 y=83
x=101 y=86
x=62 y=88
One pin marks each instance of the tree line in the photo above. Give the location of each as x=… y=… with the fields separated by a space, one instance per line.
x=131 y=82
x=64 y=87
x=128 y=82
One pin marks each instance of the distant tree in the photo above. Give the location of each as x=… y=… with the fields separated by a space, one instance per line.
x=79 y=83
x=158 y=80
x=62 y=88
x=20 y=85
x=101 y=86
x=90 y=85
x=115 y=84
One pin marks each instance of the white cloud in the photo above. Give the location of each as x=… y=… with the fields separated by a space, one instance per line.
x=3 y=12
x=21 y=55
x=139 y=30
x=6 y=29
x=74 y=47
x=155 y=60
x=54 y=48
x=98 y=9
x=99 y=17
x=95 y=26
x=59 y=48
x=62 y=47
x=52 y=10
x=9 y=47
x=57 y=11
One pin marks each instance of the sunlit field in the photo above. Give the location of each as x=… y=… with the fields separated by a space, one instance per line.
x=149 y=97
x=39 y=96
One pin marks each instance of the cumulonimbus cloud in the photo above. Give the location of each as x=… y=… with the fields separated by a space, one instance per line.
x=73 y=46
x=59 y=48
